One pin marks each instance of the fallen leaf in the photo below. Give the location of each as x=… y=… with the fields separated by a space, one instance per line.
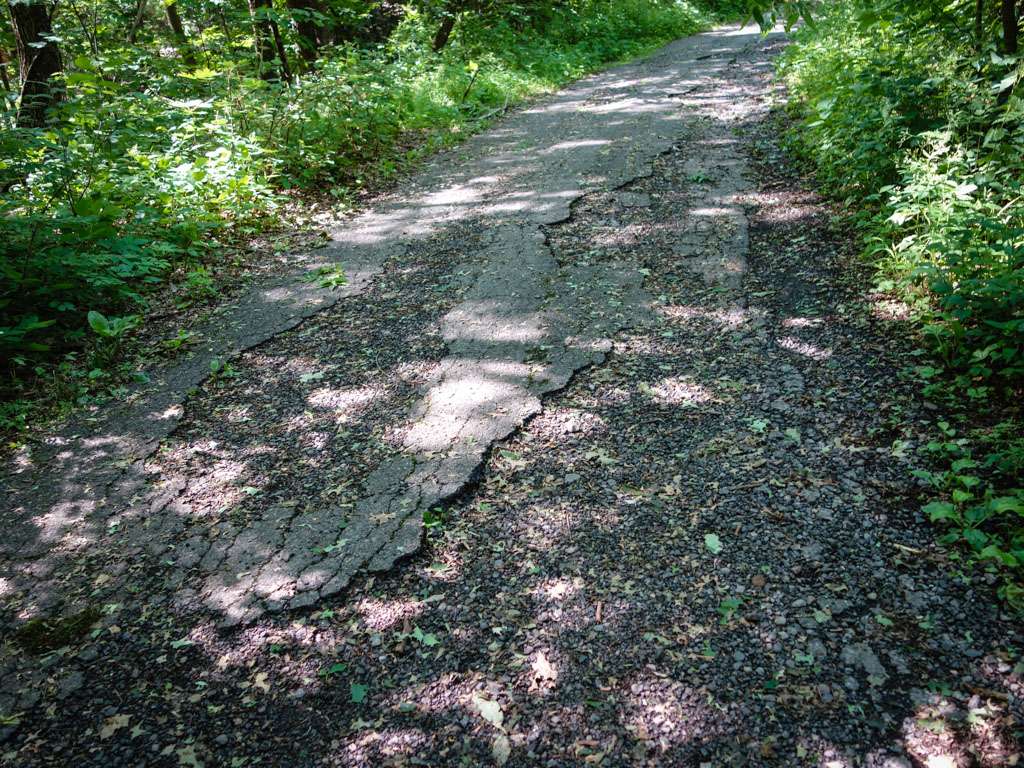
x=713 y=543
x=542 y=669
x=187 y=757
x=113 y=724
x=489 y=710
x=501 y=748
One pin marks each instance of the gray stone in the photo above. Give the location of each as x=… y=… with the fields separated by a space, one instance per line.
x=633 y=199
x=69 y=684
x=861 y=655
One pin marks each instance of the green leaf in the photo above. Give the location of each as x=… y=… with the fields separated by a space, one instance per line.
x=727 y=608
x=426 y=638
x=713 y=543
x=337 y=668
x=992 y=552
x=489 y=710
x=1006 y=83
x=1004 y=504
x=940 y=510
x=99 y=323
x=358 y=692
x=977 y=539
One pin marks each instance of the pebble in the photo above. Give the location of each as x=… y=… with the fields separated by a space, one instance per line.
x=69 y=684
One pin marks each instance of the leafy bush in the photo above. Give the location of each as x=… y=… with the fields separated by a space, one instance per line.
x=100 y=206
x=914 y=125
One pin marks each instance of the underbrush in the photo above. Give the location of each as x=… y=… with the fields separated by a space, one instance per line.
x=917 y=128
x=152 y=170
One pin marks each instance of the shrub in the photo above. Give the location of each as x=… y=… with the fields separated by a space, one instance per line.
x=913 y=125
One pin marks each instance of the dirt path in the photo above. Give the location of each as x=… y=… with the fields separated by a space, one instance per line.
x=702 y=549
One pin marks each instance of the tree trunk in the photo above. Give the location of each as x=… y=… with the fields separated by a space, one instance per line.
x=383 y=18
x=307 y=30
x=979 y=22
x=1008 y=16
x=259 y=9
x=444 y=31
x=140 y=16
x=184 y=47
x=4 y=78
x=282 y=55
x=38 y=61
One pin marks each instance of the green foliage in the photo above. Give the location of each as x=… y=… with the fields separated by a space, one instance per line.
x=915 y=125
x=713 y=543
x=727 y=609
x=987 y=523
x=112 y=328
x=103 y=205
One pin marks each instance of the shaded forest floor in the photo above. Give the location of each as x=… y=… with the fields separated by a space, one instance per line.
x=691 y=538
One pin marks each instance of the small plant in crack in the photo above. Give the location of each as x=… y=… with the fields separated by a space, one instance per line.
x=728 y=608
x=221 y=370
x=330 y=276
x=537 y=354
x=433 y=518
x=182 y=340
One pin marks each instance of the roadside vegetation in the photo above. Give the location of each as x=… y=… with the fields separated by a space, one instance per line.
x=912 y=115
x=143 y=144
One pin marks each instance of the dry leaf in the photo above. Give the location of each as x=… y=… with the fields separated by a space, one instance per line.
x=113 y=724
x=489 y=710
x=501 y=748
x=542 y=668
x=261 y=682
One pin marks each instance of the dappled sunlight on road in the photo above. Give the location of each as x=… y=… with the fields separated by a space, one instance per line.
x=793 y=344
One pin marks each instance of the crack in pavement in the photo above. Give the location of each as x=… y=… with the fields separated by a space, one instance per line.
x=510 y=182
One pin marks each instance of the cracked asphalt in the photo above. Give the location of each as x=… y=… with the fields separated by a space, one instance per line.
x=601 y=457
